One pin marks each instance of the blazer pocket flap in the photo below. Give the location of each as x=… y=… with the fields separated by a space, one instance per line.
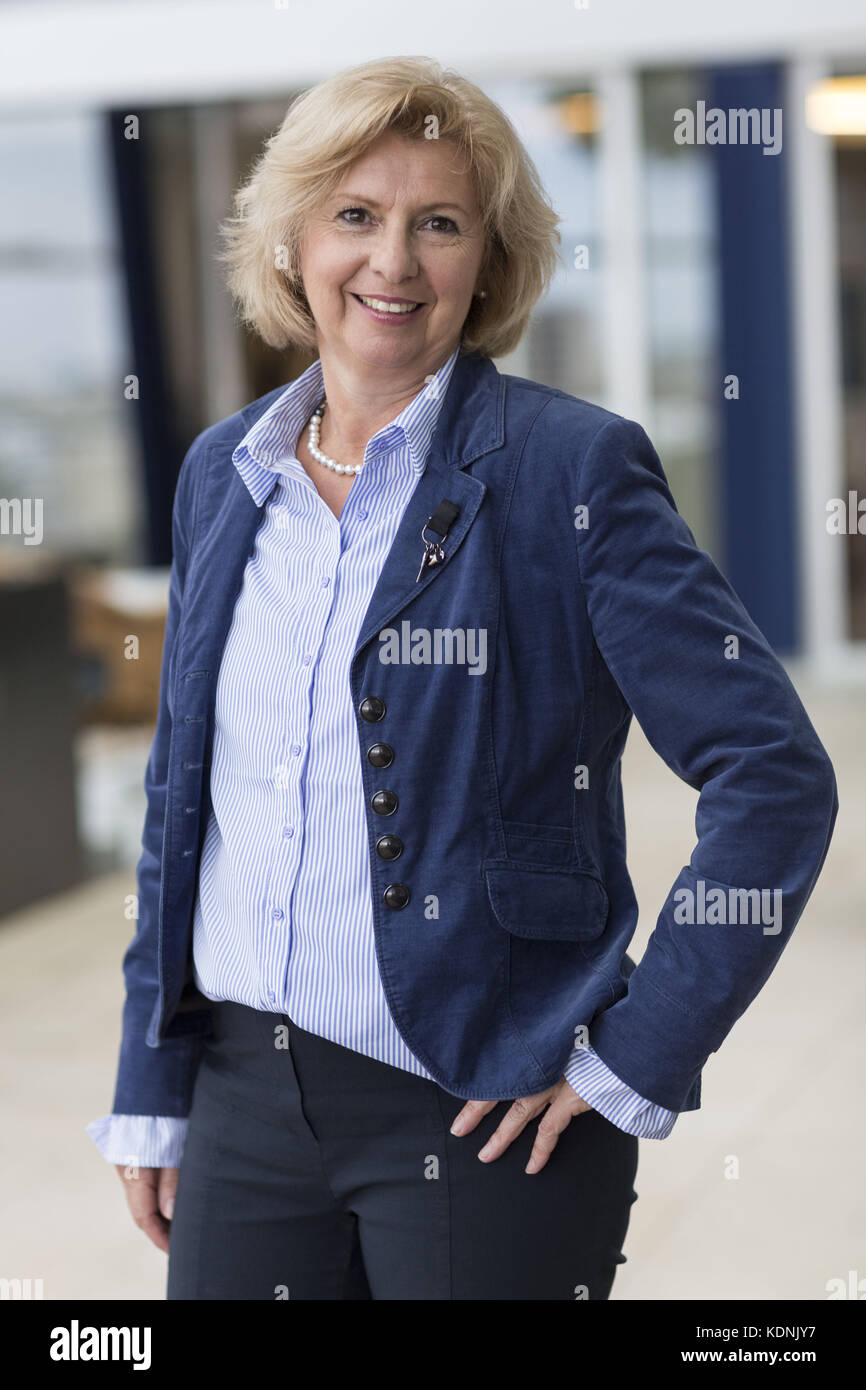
x=548 y=904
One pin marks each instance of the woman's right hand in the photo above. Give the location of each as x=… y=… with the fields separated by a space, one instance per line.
x=150 y=1198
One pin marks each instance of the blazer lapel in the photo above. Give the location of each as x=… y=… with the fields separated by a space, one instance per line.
x=397 y=586
x=226 y=524
x=471 y=423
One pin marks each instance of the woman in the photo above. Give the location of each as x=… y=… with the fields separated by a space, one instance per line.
x=383 y=898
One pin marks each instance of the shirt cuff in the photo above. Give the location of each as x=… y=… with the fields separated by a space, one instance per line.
x=595 y=1083
x=141 y=1141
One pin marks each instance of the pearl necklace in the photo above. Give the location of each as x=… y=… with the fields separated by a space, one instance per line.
x=313 y=445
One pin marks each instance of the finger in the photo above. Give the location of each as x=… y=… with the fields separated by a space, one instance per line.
x=141 y=1198
x=472 y=1112
x=558 y=1118
x=577 y=1102
x=513 y=1123
x=166 y=1190
x=156 y=1228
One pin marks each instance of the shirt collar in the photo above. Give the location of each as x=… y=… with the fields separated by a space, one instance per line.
x=265 y=450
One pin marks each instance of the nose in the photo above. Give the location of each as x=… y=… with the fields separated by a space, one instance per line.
x=392 y=256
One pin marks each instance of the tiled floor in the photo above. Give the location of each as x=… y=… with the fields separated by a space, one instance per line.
x=783 y=1097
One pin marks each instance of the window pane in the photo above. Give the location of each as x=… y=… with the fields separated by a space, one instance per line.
x=65 y=435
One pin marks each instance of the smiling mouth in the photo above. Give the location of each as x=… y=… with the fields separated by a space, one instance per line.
x=398 y=308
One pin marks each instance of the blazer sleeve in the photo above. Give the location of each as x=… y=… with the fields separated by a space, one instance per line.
x=158 y=1080
x=724 y=716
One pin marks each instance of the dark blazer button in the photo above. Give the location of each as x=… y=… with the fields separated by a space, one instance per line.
x=372 y=709
x=396 y=895
x=384 y=803
x=380 y=755
x=389 y=846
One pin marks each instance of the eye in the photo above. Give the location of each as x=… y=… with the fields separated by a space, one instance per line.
x=450 y=226
x=351 y=220
x=439 y=223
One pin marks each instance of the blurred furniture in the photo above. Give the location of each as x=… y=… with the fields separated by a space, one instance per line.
x=39 y=845
x=118 y=624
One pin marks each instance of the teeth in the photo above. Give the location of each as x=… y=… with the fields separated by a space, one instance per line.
x=386 y=308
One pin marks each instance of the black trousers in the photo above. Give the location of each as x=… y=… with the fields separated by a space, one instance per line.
x=313 y=1172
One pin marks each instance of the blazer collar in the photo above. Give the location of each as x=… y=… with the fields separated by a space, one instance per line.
x=471 y=421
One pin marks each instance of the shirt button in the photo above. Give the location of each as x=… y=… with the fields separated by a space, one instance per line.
x=271 y=995
x=326 y=581
x=362 y=515
x=307 y=659
x=278 y=913
x=296 y=748
x=288 y=831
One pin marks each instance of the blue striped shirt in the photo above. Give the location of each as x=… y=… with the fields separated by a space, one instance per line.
x=283 y=916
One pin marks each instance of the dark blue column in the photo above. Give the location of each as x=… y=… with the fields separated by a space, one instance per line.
x=153 y=412
x=756 y=432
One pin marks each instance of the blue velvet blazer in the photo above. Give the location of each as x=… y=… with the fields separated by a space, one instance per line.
x=505 y=923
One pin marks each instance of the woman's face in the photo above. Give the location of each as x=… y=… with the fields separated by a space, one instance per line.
x=403 y=227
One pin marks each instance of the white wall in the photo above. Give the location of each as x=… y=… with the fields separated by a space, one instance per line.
x=138 y=51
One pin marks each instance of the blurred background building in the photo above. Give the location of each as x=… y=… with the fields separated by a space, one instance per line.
x=125 y=127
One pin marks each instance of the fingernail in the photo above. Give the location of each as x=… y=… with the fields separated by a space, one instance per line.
x=168 y=1209
x=486 y=1151
x=459 y=1125
x=532 y=1166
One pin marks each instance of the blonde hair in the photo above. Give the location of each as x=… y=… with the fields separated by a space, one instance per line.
x=331 y=125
